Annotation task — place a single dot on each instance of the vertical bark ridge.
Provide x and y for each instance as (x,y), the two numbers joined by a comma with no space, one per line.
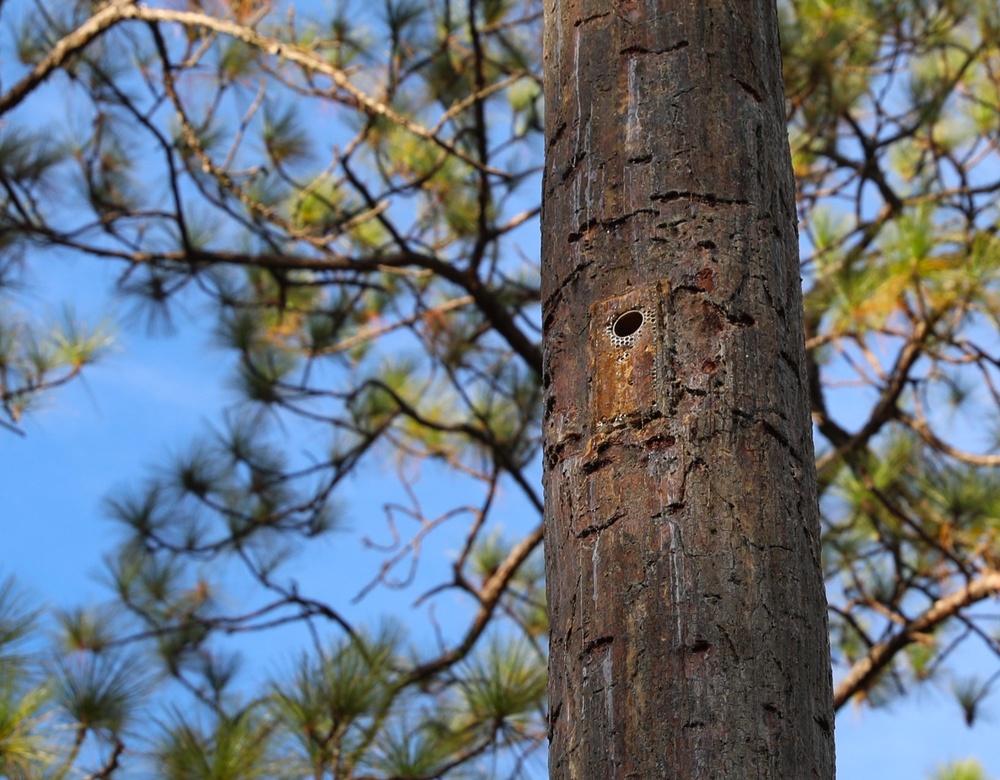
(688,624)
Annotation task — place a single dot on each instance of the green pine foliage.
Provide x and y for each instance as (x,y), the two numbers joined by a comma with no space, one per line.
(347,194)
(969,769)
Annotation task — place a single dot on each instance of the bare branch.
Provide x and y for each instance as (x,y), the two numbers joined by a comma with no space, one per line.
(864,671)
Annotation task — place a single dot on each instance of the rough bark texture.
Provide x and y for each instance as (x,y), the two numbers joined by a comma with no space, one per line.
(689,633)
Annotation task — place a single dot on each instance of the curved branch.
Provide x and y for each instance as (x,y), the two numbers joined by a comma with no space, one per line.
(122,10)
(485,300)
(306,59)
(489,596)
(65,47)
(883,412)
(923,430)
(864,671)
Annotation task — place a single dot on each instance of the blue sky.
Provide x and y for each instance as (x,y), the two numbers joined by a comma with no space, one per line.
(153,394)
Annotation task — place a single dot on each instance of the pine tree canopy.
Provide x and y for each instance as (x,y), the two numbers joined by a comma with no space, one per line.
(346,194)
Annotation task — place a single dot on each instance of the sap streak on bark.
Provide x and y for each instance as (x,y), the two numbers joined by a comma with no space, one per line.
(688,635)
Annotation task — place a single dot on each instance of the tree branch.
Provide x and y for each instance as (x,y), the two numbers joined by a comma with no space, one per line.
(66,47)
(864,671)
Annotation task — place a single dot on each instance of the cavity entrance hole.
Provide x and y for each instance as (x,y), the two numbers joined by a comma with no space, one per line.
(627,324)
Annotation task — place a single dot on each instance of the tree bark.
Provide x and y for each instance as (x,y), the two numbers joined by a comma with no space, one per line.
(688,614)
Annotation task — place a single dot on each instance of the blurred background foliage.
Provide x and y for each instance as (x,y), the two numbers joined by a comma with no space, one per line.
(347,195)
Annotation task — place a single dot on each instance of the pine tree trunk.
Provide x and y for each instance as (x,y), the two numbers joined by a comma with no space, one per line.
(688,615)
